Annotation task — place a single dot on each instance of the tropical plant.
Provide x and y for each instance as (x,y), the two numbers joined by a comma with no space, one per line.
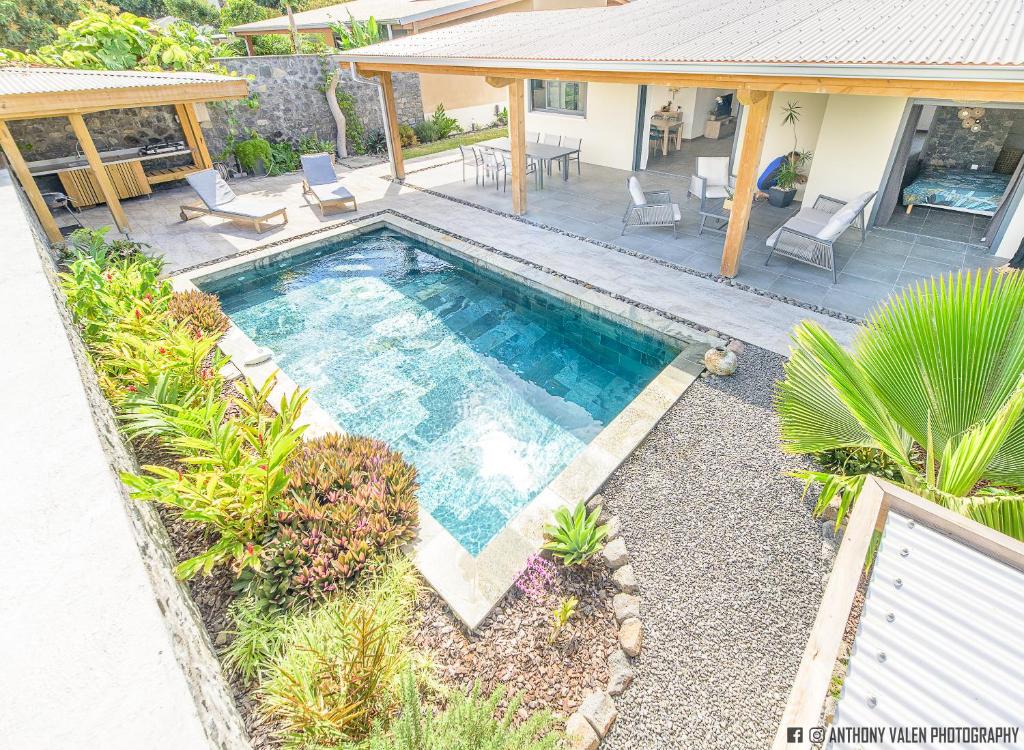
(470,721)
(101,41)
(788,176)
(934,382)
(94,244)
(407,135)
(357,33)
(444,125)
(501,119)
(198,311)
(313,144)
(235,478)
(376,143)
(561,615)
(196,12)
(575,536)
(252,151)
(536,577)
(283,159)
(28,24)
(426,131)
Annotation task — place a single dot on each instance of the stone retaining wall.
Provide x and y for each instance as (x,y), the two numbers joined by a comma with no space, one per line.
(291,106)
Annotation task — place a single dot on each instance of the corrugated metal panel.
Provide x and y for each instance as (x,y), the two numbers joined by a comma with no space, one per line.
(54,80)
(852,32)
(940,641)
(384,11)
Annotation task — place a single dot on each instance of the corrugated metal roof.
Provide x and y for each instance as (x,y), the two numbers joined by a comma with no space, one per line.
(939,639)
(397,12)
(28,80)
(669,34)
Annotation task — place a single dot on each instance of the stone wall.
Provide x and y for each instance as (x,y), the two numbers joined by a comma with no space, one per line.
(291,106)
(952,146)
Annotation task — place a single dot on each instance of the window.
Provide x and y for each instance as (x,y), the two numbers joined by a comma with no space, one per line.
(566,97)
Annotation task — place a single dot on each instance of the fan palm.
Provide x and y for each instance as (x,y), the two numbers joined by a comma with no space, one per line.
(934,381)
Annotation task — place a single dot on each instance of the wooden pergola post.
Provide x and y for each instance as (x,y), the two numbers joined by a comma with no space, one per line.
(28,184)
(194,137)
(387,90)
(758,105)
(250,50)
(99,171)
(516,137)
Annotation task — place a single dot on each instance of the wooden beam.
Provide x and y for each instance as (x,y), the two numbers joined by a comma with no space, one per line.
(746,179)
(329,38)
(99,171)
(250,49)
(967,91)
(391,126)
(28,184)
(517,136)
(498,83)
(194,135)
(29,106)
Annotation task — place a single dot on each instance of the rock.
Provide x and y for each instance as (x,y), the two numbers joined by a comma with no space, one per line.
(599,711)
(625,580)
(720,361)
(596,501)
(620,673)
(735,346)
(580,735)
(222,638)
(631,636)
(615,553)
(625,606)
(614,527)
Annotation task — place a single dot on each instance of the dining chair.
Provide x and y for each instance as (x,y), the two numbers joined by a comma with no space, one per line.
(470,158)
(531,167)
(494,166)
(551,139)
(576,143)
(532,137)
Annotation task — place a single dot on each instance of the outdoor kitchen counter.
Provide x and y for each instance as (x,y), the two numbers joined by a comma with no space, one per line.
(120,156)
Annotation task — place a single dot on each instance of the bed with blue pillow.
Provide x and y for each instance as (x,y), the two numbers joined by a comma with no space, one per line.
(957,190)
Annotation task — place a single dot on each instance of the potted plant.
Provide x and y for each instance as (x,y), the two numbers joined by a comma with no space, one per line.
(788,176)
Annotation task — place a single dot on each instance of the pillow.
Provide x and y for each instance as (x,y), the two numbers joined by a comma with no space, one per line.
(714,168)
(862,200)
(636,192)
(840,220)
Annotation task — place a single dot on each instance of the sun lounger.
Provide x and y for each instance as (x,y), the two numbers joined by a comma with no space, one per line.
(320,181)
(220,200)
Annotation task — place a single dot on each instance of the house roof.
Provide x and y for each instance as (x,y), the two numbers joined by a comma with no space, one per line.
(386,12)
(830,37)
(38,92)
(938,641)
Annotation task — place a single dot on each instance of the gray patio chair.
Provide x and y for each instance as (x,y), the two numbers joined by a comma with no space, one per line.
(494,167)
(576,143)
(532,137)
(471,158)
(653,209)
(810,235)
(550,139)
(220,200)
(531,168)
(320,180)
(712,184)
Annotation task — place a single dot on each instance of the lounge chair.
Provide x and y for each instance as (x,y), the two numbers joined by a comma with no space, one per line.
(712,184)
(654,209)
(810,235)
(220,200)
(320,180)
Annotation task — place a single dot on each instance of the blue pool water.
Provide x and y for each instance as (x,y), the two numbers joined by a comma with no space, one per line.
(488,387)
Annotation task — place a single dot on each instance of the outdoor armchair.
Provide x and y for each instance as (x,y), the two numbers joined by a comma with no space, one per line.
(712,184)
(650,209)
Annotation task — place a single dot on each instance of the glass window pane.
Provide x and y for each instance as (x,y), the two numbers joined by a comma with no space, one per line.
(572,97)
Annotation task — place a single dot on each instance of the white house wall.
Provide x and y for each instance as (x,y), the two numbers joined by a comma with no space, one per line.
(607,129)
(778,138)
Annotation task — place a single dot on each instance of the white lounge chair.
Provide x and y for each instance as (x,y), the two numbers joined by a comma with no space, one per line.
(220,200)
(654,209)
(712,184)
(810,235)
(320,180)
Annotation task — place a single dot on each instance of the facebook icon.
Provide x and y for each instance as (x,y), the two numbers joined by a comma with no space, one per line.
(794,734)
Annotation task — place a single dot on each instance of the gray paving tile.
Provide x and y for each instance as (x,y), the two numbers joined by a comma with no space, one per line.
(928,267)
(956,246)
(879,258)
(843,301)
(941,254)
(804,291)
(859,285)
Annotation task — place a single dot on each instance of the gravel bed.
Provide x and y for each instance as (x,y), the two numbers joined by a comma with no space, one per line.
(730,564)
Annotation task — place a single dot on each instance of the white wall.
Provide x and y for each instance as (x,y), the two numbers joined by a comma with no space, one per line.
(607,129)
(856,138)
(778,138)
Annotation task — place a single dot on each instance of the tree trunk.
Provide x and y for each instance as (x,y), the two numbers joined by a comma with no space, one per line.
(291,28)
(339,116)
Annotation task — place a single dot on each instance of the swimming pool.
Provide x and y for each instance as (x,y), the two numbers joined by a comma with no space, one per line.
(488,387)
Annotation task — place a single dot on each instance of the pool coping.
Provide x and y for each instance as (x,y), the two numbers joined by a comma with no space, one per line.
(471,586)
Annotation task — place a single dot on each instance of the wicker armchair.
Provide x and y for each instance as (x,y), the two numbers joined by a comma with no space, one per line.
(653,209)
(809,237)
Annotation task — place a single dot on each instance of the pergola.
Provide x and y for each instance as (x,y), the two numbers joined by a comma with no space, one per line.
(951,50)
(29,93)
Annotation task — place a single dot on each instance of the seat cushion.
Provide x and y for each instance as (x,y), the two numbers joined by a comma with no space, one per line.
(715,169)
(333,192)
(808,221)
(636,192)
(839,223)
(716,191)
(318,169)
(250,207)
(677,215)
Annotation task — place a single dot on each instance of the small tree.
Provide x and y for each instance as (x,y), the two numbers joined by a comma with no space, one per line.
(357,33)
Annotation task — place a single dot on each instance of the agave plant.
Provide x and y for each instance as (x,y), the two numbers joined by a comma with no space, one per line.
(934,381)
(575,536)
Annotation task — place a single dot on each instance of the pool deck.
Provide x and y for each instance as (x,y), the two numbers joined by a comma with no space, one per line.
(616,271)
(472,585)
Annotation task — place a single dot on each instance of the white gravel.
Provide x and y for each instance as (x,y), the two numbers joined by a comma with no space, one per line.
(730,566)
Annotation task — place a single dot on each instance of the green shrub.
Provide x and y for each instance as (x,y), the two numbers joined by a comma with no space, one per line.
(350,499)
(376,143)
(283,159)
(575,536)
(93,243)
(199,312)
(407,135)
(313,144)
(426,131)
(469,722)
(252,151)
(853,461)
(444,125)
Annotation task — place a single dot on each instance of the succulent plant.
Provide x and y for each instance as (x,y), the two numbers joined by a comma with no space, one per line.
(199,311)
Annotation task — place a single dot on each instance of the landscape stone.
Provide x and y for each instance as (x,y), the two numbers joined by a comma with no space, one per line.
(614,525)
(625,606)
(615,553)
(599,709)
(620,673)
(579,733)
(625,579)
(631,636)
(596,501)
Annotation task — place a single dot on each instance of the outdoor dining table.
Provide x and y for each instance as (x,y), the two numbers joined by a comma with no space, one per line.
(541,152)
